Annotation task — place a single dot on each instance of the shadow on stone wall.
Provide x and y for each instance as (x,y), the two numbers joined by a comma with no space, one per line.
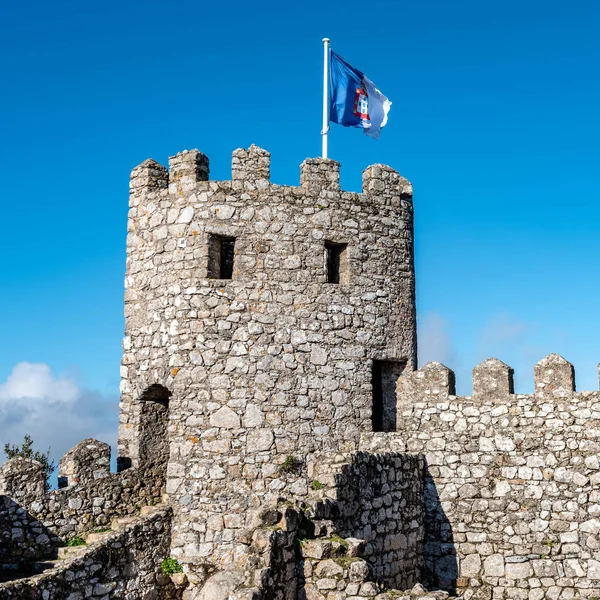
(24,541)
(440,570)
(391,502)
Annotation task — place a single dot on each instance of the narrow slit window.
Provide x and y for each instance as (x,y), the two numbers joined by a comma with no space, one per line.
(335,263)
(221,252)
(385,378)
(227,248)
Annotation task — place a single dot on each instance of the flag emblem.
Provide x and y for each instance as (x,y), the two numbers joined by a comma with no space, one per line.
(361,103)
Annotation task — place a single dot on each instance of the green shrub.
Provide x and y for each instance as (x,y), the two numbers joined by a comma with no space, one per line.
(317,485)
(290,465)
(75,541)
(170,566)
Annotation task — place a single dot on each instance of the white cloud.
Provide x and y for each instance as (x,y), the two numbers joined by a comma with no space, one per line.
(434,341)
(55,411)
(35,381)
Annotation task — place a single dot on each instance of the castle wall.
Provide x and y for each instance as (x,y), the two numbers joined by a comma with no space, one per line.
(126,565)
(34,521)
(517,476)
(23,538)
(379,499)
(273,364)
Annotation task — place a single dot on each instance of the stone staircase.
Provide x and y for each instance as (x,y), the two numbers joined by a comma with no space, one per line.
(69,553)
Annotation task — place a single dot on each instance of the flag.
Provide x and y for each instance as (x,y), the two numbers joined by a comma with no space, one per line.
(354,100)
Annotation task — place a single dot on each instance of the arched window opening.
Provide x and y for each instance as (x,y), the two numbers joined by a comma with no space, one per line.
(156,393)
(150,447)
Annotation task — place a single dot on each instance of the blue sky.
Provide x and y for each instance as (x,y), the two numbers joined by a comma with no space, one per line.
(495,121)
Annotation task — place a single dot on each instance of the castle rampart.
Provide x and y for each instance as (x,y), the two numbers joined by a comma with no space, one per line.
(125,565)
(35,521)
(517,476)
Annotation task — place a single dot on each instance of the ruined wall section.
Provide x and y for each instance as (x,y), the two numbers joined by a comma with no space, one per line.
(517,478)
(23,538)
(273,363)
(377,499)
(125,565)
(35,521)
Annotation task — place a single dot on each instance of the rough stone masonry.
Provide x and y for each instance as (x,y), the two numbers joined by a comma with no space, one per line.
(270,387)
(268,357)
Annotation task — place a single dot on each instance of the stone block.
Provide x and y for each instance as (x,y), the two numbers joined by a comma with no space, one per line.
(188,166)
(519,571)
(493,566)
(431,382)
(554,373)
(492,380)
(85,462)
(320,549)
(359,571)
(320,174)
(328,568)
(470,565)
(149,175)
(381,181)
(252,165)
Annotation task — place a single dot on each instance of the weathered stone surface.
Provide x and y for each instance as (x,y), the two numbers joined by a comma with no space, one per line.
(492,379)
(320,549)
(274,363)
(123,565)
(470,565)
(225,418)
(88,460)
(328,568)
(554,373)
(493,566)
(514,479)
(220,586)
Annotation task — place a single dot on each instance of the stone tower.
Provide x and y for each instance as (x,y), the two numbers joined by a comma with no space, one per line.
(266,327)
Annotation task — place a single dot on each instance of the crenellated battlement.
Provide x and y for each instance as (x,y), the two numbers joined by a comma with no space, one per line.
(250,172)
(517,477)
(492,380)
(87,461)
(89,496)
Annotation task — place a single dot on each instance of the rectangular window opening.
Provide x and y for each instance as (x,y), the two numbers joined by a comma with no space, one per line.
(221,252)
(385,378)
(336,263)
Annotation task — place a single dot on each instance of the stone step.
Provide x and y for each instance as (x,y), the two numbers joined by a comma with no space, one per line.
(149,510)
(70,551)
(90,538)
(121,522)
(318,548)
(44,565)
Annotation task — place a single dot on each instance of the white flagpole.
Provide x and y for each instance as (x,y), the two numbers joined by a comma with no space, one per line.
(325,129)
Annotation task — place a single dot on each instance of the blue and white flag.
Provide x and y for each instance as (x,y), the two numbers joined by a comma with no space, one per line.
(354,100)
